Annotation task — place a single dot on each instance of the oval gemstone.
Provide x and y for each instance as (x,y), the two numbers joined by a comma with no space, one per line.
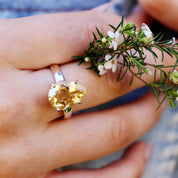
(64,95)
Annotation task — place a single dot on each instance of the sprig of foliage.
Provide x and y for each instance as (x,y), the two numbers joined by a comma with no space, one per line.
(124,48)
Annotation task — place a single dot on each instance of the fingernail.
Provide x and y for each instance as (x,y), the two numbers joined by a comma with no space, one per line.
(103,8)
(148,151)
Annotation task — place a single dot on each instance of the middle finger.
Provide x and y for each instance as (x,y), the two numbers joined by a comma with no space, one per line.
(99,89)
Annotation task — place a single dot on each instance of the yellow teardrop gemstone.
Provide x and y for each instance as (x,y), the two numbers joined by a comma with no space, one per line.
(64,95)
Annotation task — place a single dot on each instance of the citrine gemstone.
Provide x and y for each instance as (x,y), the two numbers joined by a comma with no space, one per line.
(64,95)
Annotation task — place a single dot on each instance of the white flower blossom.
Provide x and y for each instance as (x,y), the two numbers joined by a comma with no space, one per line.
(148,33)
(102,69)
(111,64)
(115,39)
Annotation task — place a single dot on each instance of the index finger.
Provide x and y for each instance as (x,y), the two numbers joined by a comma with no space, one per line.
(39,41)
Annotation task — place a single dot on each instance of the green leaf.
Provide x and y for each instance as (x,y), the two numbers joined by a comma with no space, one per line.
(120,71)
(94,36)
(161,103)
(131,80)
(155,75)
(81,62)
(123,75)
(78,57)
(113,27)
(162,52)
(99,33)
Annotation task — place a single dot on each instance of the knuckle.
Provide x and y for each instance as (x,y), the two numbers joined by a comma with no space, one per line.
(114,87)
(10,110)
(111,84)
(120,132)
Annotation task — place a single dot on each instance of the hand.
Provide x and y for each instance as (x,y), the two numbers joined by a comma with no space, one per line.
(33,141)
(165,11)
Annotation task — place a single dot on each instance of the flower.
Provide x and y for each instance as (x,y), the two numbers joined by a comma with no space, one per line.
(111,64)
(174,77)
(115,39)
(147,32)
(102,69)
(87,59)
(103,40)
(173,40)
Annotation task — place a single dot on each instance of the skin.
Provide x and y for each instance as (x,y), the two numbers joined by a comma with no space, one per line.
(165,11)
(34,142)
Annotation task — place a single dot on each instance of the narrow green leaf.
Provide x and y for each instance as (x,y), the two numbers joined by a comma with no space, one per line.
(112,27)
(155,75)
(94,36)
(131,80)
(123,74)
(161,103)
(81,62)
(156,95)
(99,33)
(120,71)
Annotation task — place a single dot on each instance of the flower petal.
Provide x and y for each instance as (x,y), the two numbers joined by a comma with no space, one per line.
(110,34)
(101,69)
(114,66)
(107,57)
(108,65)
(112,45)
(115,45)
(117,34)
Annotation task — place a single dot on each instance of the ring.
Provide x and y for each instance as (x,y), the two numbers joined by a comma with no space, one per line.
(63,95)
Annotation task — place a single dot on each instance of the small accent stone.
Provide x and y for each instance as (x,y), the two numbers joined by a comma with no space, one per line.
(64,95)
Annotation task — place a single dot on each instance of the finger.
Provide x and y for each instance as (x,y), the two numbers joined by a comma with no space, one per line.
(102,8)
(99,89)
(164,11)
(130,166)
(134,160)
(98,134)
(40,41)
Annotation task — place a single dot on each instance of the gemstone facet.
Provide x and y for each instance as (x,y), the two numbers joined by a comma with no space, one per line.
(64,95)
